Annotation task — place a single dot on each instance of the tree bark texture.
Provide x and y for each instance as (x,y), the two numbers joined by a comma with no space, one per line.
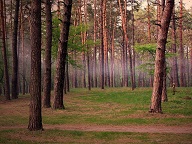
(160,58)
(181,49)
(133,43)
(35,117)
(14,53)
(23,49)
(191,64)
(94,39)
(149,21)
(61,56)
(164,97)
(124,26)
(47,71)
(102,47)
(4,53)
(174,69)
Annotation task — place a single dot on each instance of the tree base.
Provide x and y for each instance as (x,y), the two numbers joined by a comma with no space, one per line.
(59,107)
(35,129)
(155,111)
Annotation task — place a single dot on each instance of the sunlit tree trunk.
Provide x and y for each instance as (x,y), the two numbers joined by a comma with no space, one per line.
(4,53)
(164,97)
(47,69)
(160,58)
(61,56)
(35,117)
(161,7)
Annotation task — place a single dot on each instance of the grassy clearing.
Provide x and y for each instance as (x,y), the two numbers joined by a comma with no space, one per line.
(59,136)
(112,106)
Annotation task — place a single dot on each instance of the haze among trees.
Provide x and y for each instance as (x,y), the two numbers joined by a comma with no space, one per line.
(58,45)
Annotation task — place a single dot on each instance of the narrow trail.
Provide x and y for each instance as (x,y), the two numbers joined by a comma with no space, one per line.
(109,128)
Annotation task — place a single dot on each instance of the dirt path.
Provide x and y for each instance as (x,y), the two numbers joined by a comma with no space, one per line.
(109,128)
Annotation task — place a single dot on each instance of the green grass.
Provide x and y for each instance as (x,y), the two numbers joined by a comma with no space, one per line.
(21,136)
(111,106)
(114,106)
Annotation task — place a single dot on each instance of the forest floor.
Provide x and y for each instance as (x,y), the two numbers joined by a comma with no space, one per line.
(116,115)
(110,128)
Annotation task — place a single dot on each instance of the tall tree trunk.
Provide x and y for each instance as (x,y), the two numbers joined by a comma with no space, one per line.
(23,49)
(174,70)
(83,39)
(35,117)
(0,84)
(191,64)
(88,55)
(123,18)
(187,69)
(4,53)
(89,71)
(105,40)
(160,58)
(102,46)
(181,49)
(14,53)
(133,42)
(158,16)
(113,55)
(61,56)
(67,77)
(149,21)
(164,97)
(94,39)
(47,71)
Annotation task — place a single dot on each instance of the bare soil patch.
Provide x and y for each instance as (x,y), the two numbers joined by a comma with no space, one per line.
(110,128)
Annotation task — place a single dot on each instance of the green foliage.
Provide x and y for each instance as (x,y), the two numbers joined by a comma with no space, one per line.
(147,67)
(146,48)
(74,41)
(187,20)
(55,36)
(74,63)
(150,49)
(146,51)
